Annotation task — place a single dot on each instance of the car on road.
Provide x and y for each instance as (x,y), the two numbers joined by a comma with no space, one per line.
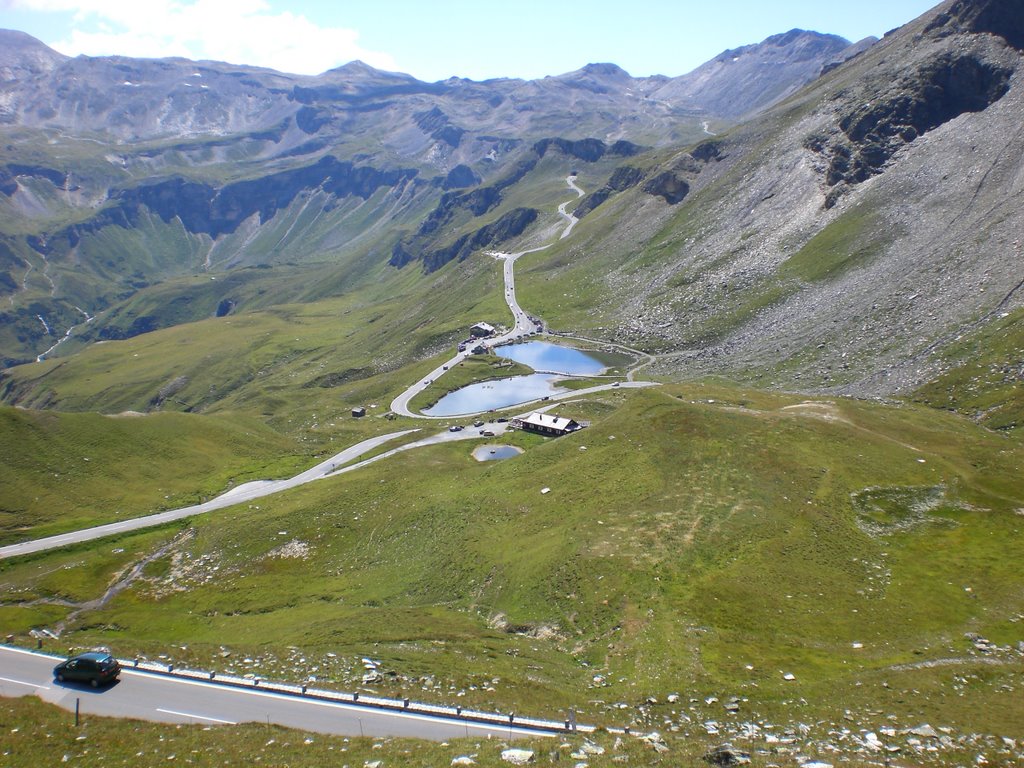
(487,432)
(455,428)
(94,668)
(478,423)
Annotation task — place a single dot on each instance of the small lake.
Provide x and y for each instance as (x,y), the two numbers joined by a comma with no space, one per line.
(539,355)
(484,395)
(542,356)
(495,452)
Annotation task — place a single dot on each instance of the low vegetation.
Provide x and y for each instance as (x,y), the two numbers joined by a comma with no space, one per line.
(468,584)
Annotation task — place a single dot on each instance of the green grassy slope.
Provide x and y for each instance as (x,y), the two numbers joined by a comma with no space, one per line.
(63,471)
(986,371)
(696,539)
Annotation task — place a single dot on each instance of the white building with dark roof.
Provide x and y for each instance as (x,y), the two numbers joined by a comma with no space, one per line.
(546,424)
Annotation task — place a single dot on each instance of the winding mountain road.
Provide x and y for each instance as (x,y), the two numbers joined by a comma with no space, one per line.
(522,327)
(168,698)
(242,493)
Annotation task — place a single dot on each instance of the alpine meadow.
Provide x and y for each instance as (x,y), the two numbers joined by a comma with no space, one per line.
(778,520)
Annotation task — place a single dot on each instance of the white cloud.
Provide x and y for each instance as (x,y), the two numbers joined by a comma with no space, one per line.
(236,31)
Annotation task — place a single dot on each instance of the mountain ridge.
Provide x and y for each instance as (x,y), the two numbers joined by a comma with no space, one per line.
(87,131)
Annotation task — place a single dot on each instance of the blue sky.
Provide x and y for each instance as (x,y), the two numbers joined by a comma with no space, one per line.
(435,39)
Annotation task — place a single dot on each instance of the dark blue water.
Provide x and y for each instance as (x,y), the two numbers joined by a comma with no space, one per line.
(477,398)
(542,356)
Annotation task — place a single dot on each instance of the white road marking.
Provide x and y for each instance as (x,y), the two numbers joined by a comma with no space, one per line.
(353,708)
(20,682)
(197,717)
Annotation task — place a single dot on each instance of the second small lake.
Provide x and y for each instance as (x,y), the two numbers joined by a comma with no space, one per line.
(501,393)
(495,452)
(543,356)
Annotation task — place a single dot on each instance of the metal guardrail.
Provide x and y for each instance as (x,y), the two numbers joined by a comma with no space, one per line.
(456,713)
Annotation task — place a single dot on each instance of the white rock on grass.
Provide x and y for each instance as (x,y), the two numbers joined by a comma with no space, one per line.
(463,760)
(517,756)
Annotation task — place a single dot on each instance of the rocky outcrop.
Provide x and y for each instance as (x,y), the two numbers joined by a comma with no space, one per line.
(311,119)
(621,179)
(673,183)
(512,224)
(8,184)
(436,123)
(872,130)
(590,150)
(669,185)
(460,176)
(202,208)
(477,202)
(1003,18)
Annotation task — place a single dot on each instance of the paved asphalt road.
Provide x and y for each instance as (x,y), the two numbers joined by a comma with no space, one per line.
(521,328)
(159,698)
(242,493)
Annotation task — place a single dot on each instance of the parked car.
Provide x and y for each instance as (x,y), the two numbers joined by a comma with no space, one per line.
(502,419)
(455,428)
(93,668)
(487,433)
(478,423)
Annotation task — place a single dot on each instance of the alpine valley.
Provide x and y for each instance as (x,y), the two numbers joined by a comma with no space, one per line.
(793,522)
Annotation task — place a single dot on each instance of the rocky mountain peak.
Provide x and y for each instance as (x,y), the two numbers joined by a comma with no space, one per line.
(22,55)
(764,73)
(605,70)
(799,44)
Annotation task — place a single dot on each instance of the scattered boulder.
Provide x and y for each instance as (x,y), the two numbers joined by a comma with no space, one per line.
(517,756)
(727,755)
(655,741)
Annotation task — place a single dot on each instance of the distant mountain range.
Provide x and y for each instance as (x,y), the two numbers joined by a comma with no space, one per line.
(800,213)
(144,99)
(96,146)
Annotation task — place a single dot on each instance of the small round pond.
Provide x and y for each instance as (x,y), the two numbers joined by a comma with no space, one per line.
(494,452)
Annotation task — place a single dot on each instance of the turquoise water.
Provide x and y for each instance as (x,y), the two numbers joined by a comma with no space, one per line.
(542,356)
